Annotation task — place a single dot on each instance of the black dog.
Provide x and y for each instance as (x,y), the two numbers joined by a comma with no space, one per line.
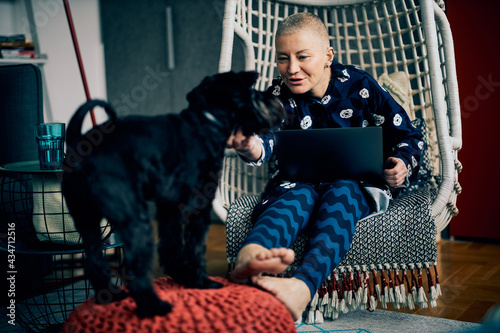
(173,160)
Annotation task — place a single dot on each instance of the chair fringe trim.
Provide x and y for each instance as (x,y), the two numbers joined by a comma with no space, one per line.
(351,288)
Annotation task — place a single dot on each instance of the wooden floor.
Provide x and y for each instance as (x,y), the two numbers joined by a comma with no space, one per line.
(469,274)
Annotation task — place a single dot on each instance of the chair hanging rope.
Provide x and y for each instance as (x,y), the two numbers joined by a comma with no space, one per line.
(78,57)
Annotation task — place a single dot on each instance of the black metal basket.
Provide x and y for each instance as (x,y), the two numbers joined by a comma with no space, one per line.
(33,200)
(43,249)
(50,285)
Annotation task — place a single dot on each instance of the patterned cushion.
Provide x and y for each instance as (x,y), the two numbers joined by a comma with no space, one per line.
(404,234)
(425,171)
(238,224)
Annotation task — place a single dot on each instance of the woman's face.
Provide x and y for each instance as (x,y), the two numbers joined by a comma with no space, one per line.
(301,59)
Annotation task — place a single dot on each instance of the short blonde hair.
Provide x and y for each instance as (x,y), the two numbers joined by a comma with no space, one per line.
(304,21)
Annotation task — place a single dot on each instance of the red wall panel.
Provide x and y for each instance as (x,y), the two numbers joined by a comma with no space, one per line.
(476,34)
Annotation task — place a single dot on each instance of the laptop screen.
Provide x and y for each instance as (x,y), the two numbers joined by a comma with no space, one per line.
(325,155)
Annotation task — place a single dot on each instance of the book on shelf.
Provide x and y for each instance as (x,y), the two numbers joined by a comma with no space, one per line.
(20,38)
(16,47)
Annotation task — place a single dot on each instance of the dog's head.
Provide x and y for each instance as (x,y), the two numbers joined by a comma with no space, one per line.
(230,98)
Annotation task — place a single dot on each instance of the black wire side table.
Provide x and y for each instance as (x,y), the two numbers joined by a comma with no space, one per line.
(42,251)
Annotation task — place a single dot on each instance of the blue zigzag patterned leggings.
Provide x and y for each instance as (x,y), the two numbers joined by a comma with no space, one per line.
(329,213)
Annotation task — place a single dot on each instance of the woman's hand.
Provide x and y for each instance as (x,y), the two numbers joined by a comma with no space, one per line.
(246,146)
(395,172)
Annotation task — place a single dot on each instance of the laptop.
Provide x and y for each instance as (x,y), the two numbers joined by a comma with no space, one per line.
(324,155)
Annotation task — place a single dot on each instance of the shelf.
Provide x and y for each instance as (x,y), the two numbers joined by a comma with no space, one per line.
(12,61)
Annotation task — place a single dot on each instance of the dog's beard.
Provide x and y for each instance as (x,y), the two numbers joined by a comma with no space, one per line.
(268,115)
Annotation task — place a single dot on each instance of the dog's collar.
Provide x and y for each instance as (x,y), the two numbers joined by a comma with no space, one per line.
(214,120)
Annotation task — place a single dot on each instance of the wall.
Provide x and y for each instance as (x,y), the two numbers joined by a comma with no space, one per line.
(134,36)
(7,12)
(65,92)
(475,32)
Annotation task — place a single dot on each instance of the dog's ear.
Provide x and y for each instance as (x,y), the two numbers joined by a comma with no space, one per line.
(197,95)
(248,78)
(217,85)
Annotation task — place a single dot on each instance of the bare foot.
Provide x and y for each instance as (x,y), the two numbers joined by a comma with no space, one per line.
(292,292)
(254,259)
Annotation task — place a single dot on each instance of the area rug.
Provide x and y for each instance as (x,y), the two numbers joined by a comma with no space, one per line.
(381,321)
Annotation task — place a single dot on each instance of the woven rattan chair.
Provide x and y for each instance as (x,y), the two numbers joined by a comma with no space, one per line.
(407,46)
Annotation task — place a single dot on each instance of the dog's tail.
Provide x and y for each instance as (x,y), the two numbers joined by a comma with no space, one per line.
(74,131)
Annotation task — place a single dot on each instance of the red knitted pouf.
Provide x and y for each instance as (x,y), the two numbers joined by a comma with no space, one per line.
(233,308)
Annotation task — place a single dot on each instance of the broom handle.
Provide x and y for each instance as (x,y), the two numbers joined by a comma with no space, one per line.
(78,57)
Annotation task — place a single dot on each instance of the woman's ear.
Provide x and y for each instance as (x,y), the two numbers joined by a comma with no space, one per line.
(330,53)
(329,56)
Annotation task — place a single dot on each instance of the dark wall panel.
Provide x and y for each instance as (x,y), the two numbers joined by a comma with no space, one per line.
(134,37)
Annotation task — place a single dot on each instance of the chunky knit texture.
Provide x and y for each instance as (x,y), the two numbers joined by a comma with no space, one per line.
(234,308)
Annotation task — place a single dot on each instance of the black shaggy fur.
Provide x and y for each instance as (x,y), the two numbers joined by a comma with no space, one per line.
(113,170)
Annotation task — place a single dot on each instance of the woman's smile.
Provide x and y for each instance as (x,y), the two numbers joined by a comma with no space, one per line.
(296,81)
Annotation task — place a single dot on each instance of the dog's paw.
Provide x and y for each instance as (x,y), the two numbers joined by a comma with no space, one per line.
(109,297)
(213,285)
(151,309)
(206,283)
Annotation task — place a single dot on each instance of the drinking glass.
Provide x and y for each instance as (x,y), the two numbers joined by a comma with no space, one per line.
(50,138)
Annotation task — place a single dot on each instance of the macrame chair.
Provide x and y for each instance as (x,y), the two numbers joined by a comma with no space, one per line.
(407,46)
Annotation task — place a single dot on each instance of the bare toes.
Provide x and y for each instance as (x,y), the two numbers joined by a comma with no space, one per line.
(287,255)
(254,260)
